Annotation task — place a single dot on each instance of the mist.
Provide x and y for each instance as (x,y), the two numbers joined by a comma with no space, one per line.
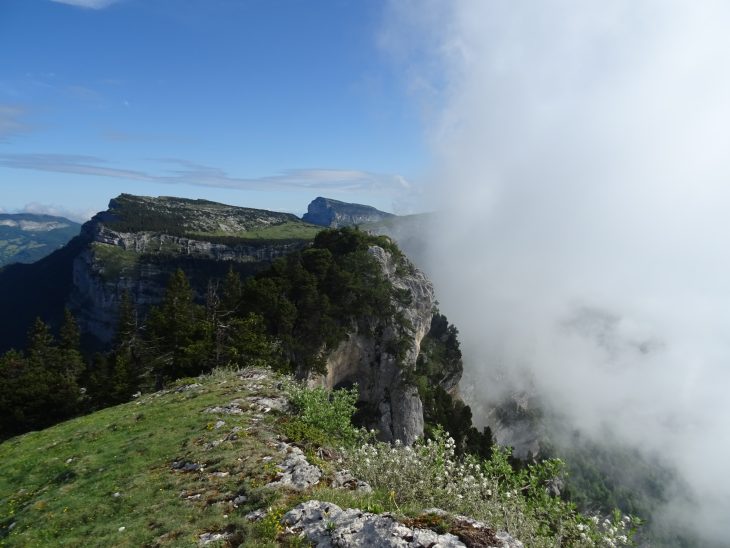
(581,166)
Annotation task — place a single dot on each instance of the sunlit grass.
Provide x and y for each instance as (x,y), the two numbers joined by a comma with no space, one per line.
(108,476)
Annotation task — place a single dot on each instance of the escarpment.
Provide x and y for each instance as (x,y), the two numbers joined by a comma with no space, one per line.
(382,359)
(136,245)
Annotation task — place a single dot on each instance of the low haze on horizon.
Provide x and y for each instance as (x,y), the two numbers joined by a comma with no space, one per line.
(259,104)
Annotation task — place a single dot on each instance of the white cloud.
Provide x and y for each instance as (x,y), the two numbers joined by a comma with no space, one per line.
(583,165)
(37,208)
(89,4)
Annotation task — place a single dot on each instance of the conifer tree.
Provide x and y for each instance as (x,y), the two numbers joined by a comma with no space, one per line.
(126,322)
(70,361)
(126,371)
(172,330)
(232,292)
(41,345)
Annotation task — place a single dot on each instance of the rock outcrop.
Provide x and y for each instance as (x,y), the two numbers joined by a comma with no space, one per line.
(336,214)
(295,472)
(380,361)
(327,525)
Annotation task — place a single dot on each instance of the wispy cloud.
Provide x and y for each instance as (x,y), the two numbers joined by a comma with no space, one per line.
(77,215)
(89,4)
(67,163)
(11,121)
(191,173)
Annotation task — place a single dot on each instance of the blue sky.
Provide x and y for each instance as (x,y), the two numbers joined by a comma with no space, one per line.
(261,103)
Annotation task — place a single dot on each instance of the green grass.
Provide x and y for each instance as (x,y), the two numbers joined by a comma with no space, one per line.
(58,486)
(117,261)
(107,479)
(287,230)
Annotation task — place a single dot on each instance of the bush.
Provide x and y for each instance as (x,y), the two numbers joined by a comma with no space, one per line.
(322,417)
(429,474)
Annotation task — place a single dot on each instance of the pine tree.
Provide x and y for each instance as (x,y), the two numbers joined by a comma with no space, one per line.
(232,292)
(40,389)
(41,345)
(70,361)
(125,363)
(126,321)
(172,332)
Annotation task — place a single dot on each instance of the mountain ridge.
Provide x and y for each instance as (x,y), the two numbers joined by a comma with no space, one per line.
(332,213)
(28,237)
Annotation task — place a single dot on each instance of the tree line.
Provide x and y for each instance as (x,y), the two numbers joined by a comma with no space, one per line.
(286,317)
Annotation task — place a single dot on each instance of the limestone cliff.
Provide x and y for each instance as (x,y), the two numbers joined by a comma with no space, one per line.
(335,214)
(381,364)
(139,242)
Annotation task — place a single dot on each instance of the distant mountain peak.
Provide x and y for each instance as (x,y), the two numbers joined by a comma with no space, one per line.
(28,237)
(335,214)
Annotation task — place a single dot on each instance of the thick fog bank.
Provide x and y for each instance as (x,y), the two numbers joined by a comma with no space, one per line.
(582,163)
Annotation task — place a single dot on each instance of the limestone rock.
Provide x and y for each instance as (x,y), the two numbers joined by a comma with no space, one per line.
(345,480)
(264,404)
(295,472)
(327,525)
(209,538)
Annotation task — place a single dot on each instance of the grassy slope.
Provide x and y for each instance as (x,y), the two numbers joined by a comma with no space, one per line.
(58,485)
(108,479)
(284,231)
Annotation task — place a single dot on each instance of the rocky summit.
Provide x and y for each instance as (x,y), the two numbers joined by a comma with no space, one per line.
(335,214)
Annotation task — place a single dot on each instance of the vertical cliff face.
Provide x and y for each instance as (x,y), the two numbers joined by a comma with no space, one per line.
(139,242)
(381,361)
